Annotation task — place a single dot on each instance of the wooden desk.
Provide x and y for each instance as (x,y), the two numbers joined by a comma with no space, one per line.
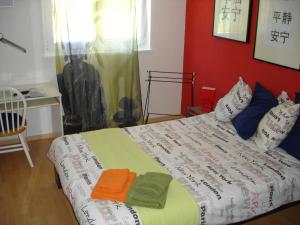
(51,98)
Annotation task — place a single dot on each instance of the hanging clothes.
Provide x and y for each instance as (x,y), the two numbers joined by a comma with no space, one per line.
(97,62)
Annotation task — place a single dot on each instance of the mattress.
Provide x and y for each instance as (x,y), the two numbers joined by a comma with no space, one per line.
(230,179)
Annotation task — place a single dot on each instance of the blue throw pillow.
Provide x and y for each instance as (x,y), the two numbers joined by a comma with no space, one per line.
(297,97)
(247,121)
(291,143)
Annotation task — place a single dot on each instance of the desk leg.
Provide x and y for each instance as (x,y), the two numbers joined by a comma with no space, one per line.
(57,118)
(61,116)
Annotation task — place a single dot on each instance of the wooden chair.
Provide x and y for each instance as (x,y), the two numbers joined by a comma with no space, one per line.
(13,109)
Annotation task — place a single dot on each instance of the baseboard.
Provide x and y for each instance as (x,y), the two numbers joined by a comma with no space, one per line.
(163,118)
(42,137)
(30,138)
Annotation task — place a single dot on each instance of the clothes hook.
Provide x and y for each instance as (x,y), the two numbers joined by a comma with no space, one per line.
(8,42)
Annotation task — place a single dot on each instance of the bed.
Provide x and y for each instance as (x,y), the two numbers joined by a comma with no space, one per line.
(229,179)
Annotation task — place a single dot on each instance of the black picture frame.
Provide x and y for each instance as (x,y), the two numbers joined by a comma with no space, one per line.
(232,20)
(278,50)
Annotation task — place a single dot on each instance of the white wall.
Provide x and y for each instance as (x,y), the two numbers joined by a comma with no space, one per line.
(23,25)
(167,43)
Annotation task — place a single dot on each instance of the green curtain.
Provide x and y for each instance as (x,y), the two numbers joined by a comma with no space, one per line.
(96,46)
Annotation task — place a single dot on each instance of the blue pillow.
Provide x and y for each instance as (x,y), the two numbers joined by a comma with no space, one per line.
(291,143)
(247,121)
(297,98)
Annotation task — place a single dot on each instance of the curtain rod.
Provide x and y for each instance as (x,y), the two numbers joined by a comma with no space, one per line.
(10,43)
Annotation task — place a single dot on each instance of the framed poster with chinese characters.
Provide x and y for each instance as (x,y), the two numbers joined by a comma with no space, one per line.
(278,34)
(231,19)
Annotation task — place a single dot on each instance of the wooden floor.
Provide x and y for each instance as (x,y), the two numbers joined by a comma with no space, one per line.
(30,196)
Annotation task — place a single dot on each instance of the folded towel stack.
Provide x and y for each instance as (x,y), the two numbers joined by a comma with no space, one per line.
(114,185)
(149,190)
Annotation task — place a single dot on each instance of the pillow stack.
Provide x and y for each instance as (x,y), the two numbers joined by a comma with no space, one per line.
(234,102)
(271,121)
(291,143)
(283,97)
(247,121)
(276,124)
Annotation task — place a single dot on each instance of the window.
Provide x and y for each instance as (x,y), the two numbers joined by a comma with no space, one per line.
(143,14)
(81,24)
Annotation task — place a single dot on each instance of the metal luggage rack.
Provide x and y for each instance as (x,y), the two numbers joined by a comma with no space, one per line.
(186,78)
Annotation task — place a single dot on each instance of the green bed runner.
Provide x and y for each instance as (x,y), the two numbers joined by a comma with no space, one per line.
(116,150)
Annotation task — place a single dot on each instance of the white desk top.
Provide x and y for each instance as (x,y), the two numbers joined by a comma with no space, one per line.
(50,95)
(48,89)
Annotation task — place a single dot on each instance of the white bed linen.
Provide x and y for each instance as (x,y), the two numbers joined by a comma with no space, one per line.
(230,179)
(79,170)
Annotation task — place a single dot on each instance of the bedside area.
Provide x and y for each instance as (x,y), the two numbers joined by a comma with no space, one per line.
(194,111)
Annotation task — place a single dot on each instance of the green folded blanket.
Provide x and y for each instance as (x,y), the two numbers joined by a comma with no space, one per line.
(152,184)
(180,207)
(149,190)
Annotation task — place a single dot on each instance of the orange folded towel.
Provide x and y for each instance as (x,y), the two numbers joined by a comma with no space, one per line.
(108,187)
(113,180)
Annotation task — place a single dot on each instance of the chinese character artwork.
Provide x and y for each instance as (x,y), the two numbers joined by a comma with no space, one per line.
(278,34)
(274,35)
(286,18)
(276,16)
(225,10)
(282,19)
(231,19)
(231,10)
(282,35)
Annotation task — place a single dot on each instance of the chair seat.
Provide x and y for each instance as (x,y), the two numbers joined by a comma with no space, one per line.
(12,123)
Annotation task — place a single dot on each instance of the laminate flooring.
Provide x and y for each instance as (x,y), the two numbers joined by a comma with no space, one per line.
(30,196)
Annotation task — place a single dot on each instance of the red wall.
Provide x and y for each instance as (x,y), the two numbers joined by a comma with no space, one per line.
(219,62)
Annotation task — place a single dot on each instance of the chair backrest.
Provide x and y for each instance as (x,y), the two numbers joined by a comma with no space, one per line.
(13,109)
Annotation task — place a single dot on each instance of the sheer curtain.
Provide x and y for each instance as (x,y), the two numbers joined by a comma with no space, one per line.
(97,62)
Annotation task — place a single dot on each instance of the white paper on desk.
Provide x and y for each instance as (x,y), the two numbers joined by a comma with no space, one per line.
(35,93)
